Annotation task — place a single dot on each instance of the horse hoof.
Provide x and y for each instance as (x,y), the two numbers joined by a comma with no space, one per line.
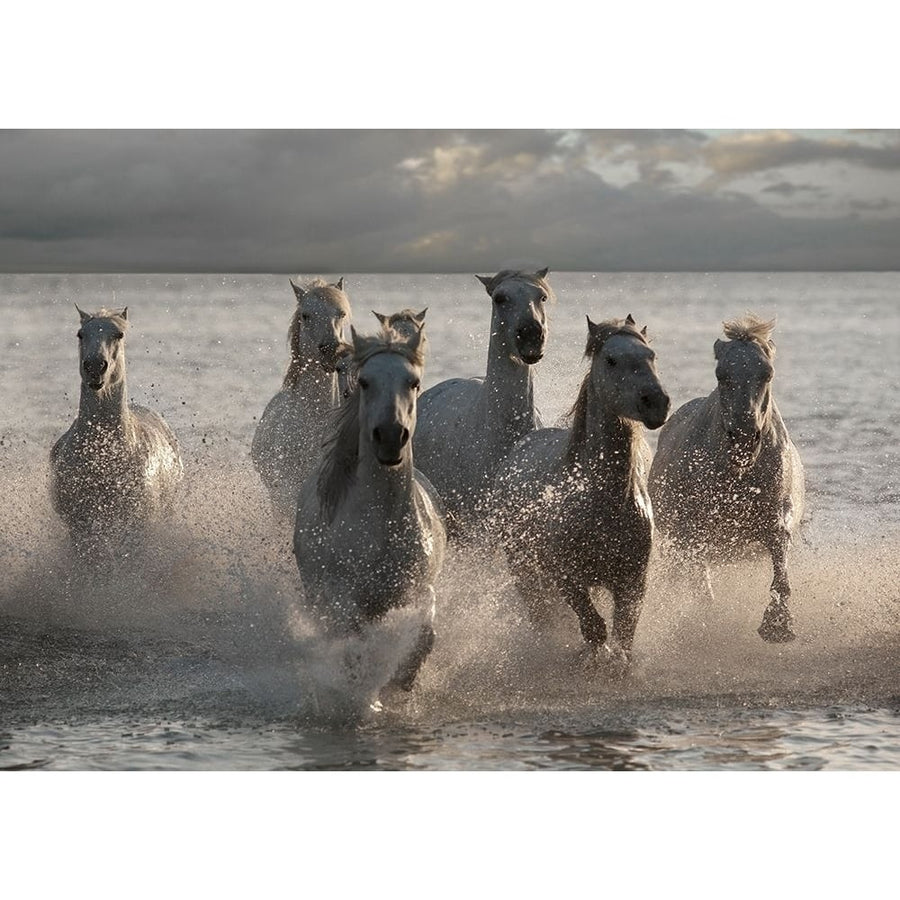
(776,624)
(612,663)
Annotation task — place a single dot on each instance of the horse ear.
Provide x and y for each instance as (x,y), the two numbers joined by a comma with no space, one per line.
(298,290)
(486,280)
(629,319)
(717,348)
(594,330)
(84,316)
(385,320)
(644,331)
(339,284)
(124,313)
(419,317)
(542,273)
(354,337)
(414,341)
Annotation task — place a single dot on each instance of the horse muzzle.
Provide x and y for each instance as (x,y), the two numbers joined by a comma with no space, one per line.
(388,442)
(654,408)
(93,373)
(530,341)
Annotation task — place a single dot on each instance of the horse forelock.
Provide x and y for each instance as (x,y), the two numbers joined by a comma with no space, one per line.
(519,275)
(389,341)
(600,333)
(752,330)
(114,315)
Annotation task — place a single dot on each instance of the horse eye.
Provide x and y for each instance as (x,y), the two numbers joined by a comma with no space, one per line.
(543,298)
(414,385)
(118,336)
(610,362)
(500,298)
(305,317)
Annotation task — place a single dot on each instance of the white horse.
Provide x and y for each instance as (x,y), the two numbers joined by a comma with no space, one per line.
(369,533)
(467,426)
(118,465)
(572,503)
(727,476)
(287,442)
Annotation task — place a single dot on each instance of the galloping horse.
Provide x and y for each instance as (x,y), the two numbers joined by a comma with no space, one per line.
(118,465)
(726,475)
(467,426)
(369,533)
(572,503)
(287,442)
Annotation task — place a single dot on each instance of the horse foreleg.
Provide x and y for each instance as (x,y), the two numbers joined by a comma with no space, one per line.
(405,675)
(777,623)
(628,599)
(593,628)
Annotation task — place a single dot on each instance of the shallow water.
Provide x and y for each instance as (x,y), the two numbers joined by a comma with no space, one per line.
(197,654)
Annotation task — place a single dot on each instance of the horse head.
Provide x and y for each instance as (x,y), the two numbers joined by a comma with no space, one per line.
(623,371)
(519,319)
(388,377)
(744,372)
(316,331)
(101,347)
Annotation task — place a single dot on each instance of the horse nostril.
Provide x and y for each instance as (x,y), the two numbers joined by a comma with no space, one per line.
(404,437)
(104,365)
(376,434)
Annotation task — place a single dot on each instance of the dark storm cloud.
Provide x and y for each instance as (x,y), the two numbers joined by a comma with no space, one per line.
(343,201)
(788,189)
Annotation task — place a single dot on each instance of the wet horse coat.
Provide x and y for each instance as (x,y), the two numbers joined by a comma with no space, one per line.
(572,503)
(369,534)
(726,476)
(287,442)
(118,466)
(467,426)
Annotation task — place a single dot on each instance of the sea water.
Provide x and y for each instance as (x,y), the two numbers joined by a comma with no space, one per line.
(196,652)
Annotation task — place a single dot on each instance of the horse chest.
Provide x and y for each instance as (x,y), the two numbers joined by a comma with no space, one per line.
(594,528)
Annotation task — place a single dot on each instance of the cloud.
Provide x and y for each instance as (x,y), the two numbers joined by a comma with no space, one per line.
(734,155)
(788,189)
(447,200)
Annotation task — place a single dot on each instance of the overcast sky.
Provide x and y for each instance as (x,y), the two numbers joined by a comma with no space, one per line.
(446,201)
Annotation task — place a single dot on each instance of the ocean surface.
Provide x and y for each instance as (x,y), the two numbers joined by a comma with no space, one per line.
(197,652)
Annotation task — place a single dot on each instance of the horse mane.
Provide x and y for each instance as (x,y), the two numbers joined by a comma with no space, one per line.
(752,329)
(495,281)
(296,363)
(341,444)
(597,337)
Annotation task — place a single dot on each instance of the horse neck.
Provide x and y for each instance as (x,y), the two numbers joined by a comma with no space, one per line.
(772,421)
(307,379)
(381,487)
(507,392)
(107,409)
(607,446)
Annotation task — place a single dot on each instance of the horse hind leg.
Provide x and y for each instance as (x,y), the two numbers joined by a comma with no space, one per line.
(777,624)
